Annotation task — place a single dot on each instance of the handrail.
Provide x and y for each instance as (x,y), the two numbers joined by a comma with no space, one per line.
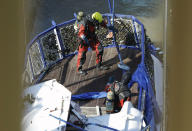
(44,32)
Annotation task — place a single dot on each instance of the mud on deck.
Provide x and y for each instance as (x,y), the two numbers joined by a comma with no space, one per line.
(65,72)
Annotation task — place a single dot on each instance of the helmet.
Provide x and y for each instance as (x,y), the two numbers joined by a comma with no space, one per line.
(80,15)
(97,16)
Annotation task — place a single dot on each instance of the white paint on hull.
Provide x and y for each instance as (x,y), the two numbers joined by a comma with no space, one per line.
(158,75)
(128,119)
(49,97)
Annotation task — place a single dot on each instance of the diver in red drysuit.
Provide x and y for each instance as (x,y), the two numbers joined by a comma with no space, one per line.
(87,38)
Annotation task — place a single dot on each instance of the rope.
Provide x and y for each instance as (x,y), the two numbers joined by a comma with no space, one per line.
(79,128)
(109,3)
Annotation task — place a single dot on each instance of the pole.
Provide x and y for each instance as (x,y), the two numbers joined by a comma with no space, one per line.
(121,65)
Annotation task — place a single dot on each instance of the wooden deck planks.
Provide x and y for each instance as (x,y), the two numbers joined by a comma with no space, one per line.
(65,73)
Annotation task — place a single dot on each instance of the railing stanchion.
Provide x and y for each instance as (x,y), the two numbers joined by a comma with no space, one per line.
(42,53)
(59,40)
(135,32)
(31,67)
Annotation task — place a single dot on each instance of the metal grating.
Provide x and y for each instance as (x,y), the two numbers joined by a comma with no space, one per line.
(49,47)
(69,38)
(27,75)
(36,59)
(149,62)
(125,35)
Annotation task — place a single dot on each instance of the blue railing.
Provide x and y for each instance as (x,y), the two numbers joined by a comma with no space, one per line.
(45,32)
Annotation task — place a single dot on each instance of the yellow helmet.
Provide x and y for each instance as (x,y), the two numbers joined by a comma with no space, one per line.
(97,16)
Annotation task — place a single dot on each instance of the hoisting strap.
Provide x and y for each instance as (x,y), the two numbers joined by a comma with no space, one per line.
(79,128)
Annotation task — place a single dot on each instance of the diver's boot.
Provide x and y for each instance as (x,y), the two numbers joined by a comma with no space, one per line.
(101,67)
(81,71)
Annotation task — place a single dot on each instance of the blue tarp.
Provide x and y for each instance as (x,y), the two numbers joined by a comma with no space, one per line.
(142,78)
(89,95)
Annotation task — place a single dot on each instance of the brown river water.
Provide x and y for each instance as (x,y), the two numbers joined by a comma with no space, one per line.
(149,12)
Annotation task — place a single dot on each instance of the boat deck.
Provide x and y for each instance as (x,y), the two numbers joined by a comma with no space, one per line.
(65,72)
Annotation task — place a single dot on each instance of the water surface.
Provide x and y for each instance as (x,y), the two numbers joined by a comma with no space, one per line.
(149,12)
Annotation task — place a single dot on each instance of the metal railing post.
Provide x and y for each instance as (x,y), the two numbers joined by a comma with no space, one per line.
(42,53)
(58,39)
(142,40)
(143,44)
(31,67)
(135,32)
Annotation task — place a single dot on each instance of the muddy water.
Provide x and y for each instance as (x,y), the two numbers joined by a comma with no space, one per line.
(149,12)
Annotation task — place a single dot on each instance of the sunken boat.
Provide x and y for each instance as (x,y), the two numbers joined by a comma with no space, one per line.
(57,98)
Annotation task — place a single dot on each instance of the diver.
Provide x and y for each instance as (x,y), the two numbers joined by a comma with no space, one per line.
(118,93)
(86,26)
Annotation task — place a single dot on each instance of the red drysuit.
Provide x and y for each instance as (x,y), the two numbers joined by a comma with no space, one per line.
(86,30)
